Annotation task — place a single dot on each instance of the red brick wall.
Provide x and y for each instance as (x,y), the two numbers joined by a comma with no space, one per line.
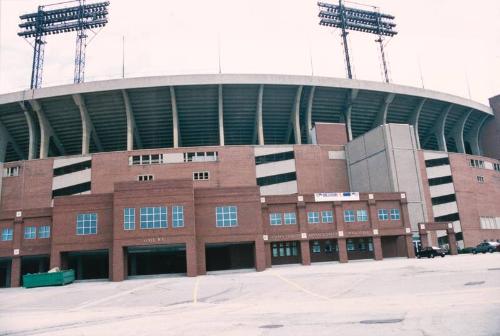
(330,134)
(475,199)
(317,173)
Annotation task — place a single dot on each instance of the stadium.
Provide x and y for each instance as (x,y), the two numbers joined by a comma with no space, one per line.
(196,173)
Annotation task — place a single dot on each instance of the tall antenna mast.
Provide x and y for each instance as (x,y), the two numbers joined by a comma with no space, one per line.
(61,20)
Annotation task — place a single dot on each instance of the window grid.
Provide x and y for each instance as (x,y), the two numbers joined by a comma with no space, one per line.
(275,219)
(11,171)
(480,179)
(348,216)
(383,215)
(142,178)
(86,224)
(226,216)
(30,232)
(44,231)
(154,218)
(177,216)
(327,216)
(313,217)
(290,218)
(395,215)
(362,215)
(201,176)
(129,219)
(7,234)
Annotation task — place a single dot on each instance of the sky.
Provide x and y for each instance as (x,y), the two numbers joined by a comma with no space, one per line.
(452,46)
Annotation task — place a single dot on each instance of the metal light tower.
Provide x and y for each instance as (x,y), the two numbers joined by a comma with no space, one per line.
(347,18)
(62,20)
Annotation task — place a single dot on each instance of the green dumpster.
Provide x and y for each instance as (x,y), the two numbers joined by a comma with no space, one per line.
(48,279)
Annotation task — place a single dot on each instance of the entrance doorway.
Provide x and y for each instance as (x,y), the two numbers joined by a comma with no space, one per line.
(160,259)
(324,250)
(89,264)
(229,256)
(287,252)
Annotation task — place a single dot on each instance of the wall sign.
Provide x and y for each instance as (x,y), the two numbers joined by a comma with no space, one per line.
(330,197)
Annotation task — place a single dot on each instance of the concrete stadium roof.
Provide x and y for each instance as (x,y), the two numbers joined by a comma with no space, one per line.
(229,109)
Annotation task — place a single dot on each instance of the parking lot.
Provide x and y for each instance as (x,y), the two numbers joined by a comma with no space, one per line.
(455,295)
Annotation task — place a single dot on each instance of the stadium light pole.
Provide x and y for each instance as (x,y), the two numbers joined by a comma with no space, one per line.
(348,18)
(61,20)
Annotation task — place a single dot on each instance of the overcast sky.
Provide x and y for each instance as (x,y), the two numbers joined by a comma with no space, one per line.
(456,43)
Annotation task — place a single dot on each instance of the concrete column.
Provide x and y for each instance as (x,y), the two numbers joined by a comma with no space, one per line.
(201,258)
(55,259)
(473,135)
(458,131)
(221,116)
(31,131)
(88,129)
(309,126)
(342,250)
(260,123)
(46,132)
(305,253)
(191,258)
(116,267)
(132,133)
(15,272)
(267,251)
(351,97)
(377,247)
(295,119)
(440,136)
(381,117)
(175,118)
(260,254)
(413,120)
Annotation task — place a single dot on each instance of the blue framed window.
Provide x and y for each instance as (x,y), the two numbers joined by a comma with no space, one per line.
(348,216)
(129,219)
(226,216)
(7,234)
(177,216)
(44,231)
(30,232)
(86,224)
(327,216)
(383,215)
(154,218)
(395,215)
(362,215)
(275,219)
(290,218)
(313,217)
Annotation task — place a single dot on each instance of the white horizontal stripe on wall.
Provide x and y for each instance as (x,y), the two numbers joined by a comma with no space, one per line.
(434,155)
(438,171)
(444,209)
(259,151)
(275,168)
(488,165)
(336,155)
(173,158)
(71,179)
(285,188)
(441,190)
(58,163)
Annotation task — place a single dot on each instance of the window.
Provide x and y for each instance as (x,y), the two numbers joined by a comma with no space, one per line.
(200,156)
(142,178)
(274,179)
(362,215)
(440,180)
(86,224)
(145,159)
(350,245)
(7,234)
(437,162)
(290,218)
(285,249)
(327,216)
(496,166)
(275,219)
(313,217)
(348,216)
(316,248)
(226,216)
(274,157)
(30,232)
(154,218)
(200,176)
(44,231)
(177,216)
(395,214)
(383,215)
(490,223)
(11,171)
(476,163)
(480,179)
(129,219)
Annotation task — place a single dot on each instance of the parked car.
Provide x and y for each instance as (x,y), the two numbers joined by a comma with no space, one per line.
(486,247)
(431,252)
(466,250)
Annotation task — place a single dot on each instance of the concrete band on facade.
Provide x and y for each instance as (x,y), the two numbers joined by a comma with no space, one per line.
(158,112)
